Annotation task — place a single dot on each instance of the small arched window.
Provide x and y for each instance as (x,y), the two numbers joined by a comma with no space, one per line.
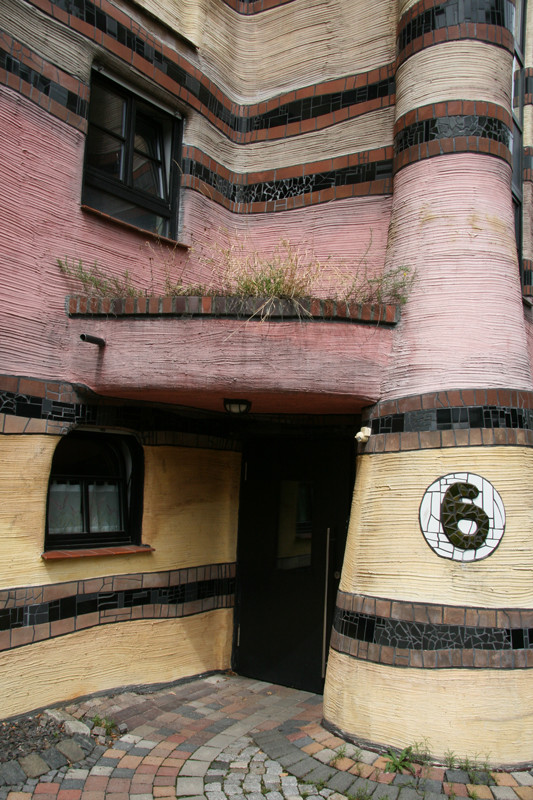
(95,492)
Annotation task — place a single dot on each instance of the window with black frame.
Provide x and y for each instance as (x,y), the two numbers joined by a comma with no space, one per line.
(131,159)
(94,492)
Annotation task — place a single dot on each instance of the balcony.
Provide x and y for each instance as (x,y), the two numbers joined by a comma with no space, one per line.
(308,357)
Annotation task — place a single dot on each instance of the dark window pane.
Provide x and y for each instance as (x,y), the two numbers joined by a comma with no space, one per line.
(107,110)
(105,153)
(147,176)
(95,458)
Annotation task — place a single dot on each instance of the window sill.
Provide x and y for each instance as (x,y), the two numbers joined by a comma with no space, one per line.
(122,550)
(133,228)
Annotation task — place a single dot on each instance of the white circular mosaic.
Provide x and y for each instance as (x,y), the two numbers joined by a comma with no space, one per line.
(462,517)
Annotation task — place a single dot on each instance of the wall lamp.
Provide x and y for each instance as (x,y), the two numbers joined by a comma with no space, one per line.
(86,337)
(363,435)
(233,406)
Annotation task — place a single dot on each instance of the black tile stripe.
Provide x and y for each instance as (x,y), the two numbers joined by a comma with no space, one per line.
(22,405)
(428,636)
(456,12)
(267,191)
(459,417)
(451,127)
(241,123)
(46,86)
(169,601)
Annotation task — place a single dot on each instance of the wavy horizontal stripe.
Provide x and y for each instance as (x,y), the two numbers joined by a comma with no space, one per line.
(455,127)
(366,173)
(35,613)
(461,418)
(310,108)
(426,635)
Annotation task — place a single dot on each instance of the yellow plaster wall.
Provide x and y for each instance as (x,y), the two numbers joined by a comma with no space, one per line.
(387,555)
(475,713)
(190,513)
(140,652)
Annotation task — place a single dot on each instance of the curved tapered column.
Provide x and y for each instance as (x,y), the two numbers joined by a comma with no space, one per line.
(431,634)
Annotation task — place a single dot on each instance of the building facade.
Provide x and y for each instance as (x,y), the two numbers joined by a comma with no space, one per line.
(163,163)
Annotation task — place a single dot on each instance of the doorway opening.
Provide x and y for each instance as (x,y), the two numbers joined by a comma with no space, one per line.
(295,502)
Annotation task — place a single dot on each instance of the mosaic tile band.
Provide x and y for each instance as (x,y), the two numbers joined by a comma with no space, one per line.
(432,636)
(35,613)
(422,26)
(450,128)
(32,406)
(455,418)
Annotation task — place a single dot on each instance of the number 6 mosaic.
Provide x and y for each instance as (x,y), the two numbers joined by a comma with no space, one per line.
(462,517)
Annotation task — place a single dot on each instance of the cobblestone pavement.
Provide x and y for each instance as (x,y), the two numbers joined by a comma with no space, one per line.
(231,738)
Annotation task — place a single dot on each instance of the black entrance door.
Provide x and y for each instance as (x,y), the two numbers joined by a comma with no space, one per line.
(295,501)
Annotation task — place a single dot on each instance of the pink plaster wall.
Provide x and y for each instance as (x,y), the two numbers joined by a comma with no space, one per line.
(42,220)
(463,324)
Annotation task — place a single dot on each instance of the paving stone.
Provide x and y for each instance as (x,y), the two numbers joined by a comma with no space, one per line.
(33,766)
(387,791)
(274,796)
(71,750)
(320,773)
(341,782)
(54,758)
(523,778)
(232,789)
(292,758)
(72,784)
(503,792)
(425,785)
(123,772)
(99,770)
(73,726)
(361,785)
(303,767)
(206,753)
(367,756)
(481,791)
(77,774)
(457,776)
(325,755)
(408,794)
(12,773)
(433,796)
(404,780)
(189,787)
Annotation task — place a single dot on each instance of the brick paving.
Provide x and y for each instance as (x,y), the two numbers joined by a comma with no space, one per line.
(225,737)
